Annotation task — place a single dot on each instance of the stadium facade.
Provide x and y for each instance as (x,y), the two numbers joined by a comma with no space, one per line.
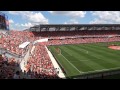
(74,27)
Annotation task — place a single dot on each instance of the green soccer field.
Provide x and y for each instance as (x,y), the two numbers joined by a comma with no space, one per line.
(87,58)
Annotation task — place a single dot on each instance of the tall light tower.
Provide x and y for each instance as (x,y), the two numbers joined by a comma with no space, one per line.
(4,23)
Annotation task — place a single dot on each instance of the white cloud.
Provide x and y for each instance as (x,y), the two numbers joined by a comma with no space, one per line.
(15,26)
(27,25)
(38,18)
(11,24)
(72,21)
(14,12)
(11,21)
(32,18)
(69,13)
(99,21)
(23,26)
(106,17)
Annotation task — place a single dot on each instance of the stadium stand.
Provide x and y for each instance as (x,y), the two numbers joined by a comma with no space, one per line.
(39,65)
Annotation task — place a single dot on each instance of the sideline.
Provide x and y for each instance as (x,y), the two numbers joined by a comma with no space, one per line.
(55,64)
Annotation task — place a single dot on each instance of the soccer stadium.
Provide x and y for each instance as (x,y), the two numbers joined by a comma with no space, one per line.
(60,51)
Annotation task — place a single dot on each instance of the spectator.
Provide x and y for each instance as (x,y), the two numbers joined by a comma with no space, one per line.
(16,75)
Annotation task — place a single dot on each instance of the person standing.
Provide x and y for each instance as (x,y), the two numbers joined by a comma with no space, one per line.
(16,75)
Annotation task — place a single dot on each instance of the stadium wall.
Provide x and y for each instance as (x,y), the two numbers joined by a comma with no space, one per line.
(100,75)
(55,64)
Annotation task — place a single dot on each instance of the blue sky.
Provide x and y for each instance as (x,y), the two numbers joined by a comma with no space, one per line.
(20,20)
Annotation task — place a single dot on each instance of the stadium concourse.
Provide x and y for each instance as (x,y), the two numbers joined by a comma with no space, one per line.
(26,55)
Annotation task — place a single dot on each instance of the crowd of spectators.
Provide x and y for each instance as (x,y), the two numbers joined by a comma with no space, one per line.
(11,41)
(39,64)
(8,67)
(82,40)
(69,34)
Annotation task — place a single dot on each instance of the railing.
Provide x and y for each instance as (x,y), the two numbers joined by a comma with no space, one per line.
(9,53)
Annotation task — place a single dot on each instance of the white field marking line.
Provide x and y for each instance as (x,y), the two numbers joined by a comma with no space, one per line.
(60,64)
(92,54)
(83,60)
(89,59)
(103,49)
(99,57)
(72,64)
(83,50)
(103,70)
(79,60)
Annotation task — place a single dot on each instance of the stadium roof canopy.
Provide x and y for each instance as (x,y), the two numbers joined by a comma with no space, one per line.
(74,27)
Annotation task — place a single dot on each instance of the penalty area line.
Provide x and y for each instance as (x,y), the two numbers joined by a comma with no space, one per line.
(71,64)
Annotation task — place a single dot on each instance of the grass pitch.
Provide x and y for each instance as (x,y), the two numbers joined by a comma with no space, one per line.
(87,58)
